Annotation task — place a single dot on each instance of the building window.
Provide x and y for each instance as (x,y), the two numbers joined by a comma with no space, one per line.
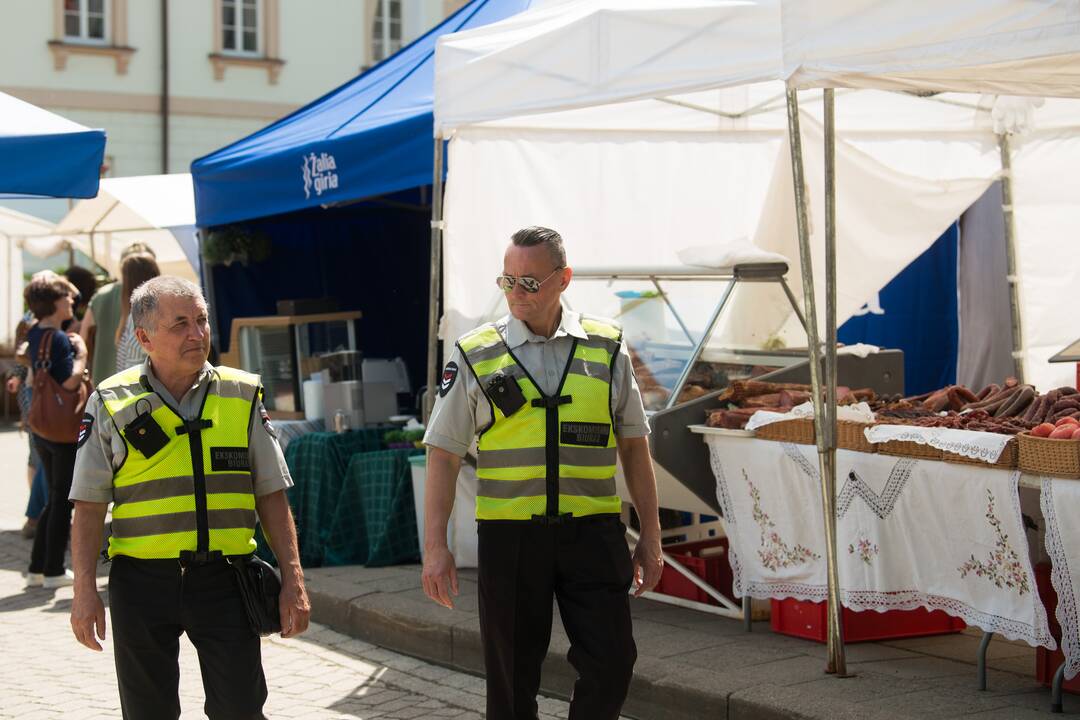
(386,41)
(240,27)
(85,21)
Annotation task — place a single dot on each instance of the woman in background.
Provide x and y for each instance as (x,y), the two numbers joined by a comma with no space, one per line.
(51,299)
(134,271)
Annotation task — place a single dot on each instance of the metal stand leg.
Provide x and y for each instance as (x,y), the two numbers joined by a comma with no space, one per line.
(981,659)
(1055,689)
(748,613)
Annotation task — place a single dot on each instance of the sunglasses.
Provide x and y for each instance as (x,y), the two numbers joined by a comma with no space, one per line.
(506,283)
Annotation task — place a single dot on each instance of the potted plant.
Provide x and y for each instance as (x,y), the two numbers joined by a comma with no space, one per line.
(234,243)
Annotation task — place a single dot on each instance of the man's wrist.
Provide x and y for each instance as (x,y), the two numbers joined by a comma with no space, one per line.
(292,573)
(650,530)
(436,544)
(81,586)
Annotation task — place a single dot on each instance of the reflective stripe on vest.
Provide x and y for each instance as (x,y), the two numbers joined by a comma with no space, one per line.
(155,498)
(554,455)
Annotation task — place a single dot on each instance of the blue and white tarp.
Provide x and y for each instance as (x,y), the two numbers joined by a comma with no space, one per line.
(45,155)
(369,137)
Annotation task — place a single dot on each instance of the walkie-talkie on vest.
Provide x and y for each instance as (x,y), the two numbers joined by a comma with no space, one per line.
(505,392)
(144,433)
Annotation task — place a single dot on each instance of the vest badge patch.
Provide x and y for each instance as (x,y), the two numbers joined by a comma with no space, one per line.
(84,429)
(223,459)
(584,433)
(270,429)
(449,375)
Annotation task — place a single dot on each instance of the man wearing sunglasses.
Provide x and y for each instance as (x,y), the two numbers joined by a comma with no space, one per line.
(546,399)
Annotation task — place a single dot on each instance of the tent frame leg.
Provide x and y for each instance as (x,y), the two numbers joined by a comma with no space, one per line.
(824,430)
(980,659)
(1056,700)
(728,609)
(436,277)
(1005,147)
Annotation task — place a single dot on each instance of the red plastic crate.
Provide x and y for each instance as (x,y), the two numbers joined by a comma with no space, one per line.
(809,620)
(705,561)
(1047,662)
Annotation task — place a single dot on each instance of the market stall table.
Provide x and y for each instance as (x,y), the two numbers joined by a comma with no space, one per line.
(352,499)
(910,535)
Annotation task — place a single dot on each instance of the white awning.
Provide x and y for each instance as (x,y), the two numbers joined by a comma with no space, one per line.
(157,210)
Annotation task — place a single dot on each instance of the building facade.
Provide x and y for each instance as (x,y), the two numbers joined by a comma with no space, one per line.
(171,80)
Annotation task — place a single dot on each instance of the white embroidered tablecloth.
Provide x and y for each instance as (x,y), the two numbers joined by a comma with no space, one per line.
(910,533)
(983,446)
(1061,510)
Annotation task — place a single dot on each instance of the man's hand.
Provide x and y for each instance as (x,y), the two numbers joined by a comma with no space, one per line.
(648,563)
(440,575)
(294,608)
(88,614)
(13,384)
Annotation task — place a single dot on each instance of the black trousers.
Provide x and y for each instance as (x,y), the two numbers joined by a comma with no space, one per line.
(585,565)
(54,526)
(151,603)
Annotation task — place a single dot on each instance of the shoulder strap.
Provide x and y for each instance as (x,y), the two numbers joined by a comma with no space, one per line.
(44,353)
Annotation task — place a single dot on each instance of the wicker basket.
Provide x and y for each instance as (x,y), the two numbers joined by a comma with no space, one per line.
(1009,458)
(1043,456)
(850,436)
(904,448)
(799,431)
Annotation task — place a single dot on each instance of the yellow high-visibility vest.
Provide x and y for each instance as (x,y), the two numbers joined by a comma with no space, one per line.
(157,500)
(555,455)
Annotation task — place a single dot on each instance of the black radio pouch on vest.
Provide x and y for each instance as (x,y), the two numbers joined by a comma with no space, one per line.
(145,435)
(505,392)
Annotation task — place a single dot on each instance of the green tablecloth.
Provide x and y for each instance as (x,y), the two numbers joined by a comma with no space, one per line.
(353,502)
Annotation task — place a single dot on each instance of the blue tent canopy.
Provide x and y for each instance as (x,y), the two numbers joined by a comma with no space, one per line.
(369,137)
(45,155)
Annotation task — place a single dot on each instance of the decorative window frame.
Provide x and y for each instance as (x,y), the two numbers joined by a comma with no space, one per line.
(269,17)
(260,22)
(372,14)
(84,17)
(114,46)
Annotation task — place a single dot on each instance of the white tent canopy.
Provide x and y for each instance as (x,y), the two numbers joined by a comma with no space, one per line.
(14,228)
(157,210)
(621,124)
(581,53)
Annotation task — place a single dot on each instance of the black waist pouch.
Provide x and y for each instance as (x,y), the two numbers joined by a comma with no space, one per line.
(259,587)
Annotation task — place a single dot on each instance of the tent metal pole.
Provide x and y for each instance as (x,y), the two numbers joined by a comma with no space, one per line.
(836,662)
(436,277)
(827,448)
(1005,147)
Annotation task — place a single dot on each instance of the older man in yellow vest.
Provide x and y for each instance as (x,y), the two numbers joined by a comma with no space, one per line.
(547,399)
(188,457)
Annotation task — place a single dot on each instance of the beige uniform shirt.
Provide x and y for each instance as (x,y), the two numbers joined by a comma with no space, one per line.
(459,411)
(103,451)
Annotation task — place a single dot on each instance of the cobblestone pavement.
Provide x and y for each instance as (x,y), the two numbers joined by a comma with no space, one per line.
(322,674)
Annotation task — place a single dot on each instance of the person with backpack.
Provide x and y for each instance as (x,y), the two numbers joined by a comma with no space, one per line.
(56,376)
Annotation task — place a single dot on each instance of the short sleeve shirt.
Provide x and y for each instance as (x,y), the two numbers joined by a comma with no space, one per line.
(103,450)
(106,308)
(459,412)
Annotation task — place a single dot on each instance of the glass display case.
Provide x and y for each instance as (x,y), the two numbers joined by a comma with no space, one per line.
(284,350)
(674,325)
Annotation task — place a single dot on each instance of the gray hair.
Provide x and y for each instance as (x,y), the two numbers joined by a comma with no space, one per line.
(552,240)
(145,299)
